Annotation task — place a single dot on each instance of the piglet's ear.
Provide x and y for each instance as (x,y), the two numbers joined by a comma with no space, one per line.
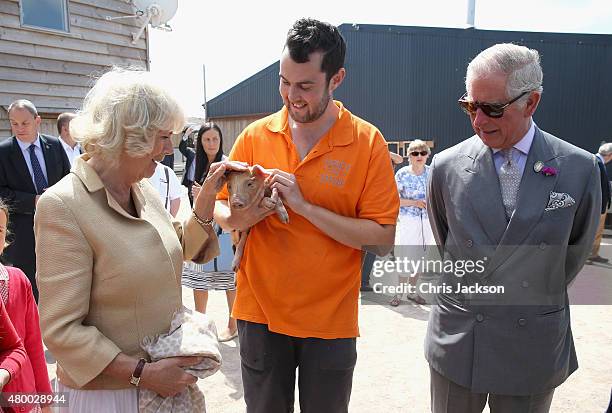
(259,172)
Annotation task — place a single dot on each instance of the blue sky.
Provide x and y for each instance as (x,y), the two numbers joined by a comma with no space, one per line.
(235,39)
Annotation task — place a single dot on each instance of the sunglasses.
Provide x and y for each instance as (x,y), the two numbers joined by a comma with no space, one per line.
(492,110)
(417,153)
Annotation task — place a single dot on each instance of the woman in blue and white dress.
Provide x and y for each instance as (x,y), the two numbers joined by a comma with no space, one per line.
(413,232)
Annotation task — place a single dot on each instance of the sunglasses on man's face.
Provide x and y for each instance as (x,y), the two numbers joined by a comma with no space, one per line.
(417,153)
(492,110)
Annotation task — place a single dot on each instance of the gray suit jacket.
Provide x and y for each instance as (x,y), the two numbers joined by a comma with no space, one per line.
(519,342)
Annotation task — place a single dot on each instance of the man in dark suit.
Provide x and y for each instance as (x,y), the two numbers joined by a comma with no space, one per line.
(29,164)
(604,156)
(523,205)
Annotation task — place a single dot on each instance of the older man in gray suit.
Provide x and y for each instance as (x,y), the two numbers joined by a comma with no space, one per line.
(529,202)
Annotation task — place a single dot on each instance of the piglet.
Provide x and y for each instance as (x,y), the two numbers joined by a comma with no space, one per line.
(242,188)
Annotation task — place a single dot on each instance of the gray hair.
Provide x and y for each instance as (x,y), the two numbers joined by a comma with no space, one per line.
(23,104)
(605,149)
(519,63)
(123,112)
(418,145)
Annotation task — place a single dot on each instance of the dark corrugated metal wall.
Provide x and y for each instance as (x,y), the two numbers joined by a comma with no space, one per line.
(406,81)
(255,95)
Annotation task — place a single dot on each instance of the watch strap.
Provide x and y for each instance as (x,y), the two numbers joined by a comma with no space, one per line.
(135,379)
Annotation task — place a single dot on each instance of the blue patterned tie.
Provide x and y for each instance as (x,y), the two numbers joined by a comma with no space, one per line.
(39,177)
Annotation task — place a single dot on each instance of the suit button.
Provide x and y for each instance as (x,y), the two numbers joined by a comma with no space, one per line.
(479,318)
(469,243)
(522,322)
(525,284)
(543,246)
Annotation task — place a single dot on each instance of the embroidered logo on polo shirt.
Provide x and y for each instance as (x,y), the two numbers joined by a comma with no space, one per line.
(334,172)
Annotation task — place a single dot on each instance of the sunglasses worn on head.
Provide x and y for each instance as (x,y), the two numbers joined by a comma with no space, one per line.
(492,110)
(417,153)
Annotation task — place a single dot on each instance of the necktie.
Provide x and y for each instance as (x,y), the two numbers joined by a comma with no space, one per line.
(39,177)
(509,181)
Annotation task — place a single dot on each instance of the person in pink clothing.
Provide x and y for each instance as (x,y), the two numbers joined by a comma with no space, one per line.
(18,299)
(12,352)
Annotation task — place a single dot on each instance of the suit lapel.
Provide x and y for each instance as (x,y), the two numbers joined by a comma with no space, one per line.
(483,186)
(21,167)
(533,196)
(50,160)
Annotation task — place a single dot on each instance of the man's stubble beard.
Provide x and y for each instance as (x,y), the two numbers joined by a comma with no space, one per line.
(309,118)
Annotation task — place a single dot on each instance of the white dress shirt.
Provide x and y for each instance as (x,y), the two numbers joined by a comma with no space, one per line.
(39,154)
(72,153)
(520,155)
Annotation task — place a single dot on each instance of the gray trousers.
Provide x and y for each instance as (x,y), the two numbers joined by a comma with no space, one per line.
(269,362)
(449,397)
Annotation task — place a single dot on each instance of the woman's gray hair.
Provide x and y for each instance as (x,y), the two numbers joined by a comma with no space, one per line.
(418,145)
(521,64)
(123,112)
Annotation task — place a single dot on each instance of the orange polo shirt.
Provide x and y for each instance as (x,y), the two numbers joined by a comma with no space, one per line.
(293,277)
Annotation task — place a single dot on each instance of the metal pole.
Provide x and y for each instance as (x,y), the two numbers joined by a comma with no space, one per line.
(471,11)
(204,104)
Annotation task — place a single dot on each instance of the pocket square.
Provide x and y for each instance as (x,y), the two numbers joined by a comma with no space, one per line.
(559,200)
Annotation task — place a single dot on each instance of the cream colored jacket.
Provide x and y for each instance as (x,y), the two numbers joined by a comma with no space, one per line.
(107,279)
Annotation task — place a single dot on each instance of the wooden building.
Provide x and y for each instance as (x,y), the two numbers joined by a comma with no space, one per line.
(51,52)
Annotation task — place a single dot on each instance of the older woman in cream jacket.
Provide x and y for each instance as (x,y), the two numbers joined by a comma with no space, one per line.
(109,257)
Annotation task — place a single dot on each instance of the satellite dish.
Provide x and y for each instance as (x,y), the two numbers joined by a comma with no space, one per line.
(157,12)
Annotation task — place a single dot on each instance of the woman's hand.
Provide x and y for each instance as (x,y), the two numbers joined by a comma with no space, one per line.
(217,175)
(241,219)
(166,377)
(5,377)
(204,203)
(195,190)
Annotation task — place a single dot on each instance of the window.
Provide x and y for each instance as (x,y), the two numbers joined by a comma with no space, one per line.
(48,14)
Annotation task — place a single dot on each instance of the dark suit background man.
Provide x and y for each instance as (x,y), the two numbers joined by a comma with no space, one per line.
(29,164)
(604,156)
(529,202)
(609,162)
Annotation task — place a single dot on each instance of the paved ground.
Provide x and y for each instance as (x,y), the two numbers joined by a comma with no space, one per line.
(392,375)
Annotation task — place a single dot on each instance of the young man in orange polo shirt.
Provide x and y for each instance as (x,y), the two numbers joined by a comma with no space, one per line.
(298,283)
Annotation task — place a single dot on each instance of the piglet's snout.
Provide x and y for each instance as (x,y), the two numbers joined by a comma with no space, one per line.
(237,202)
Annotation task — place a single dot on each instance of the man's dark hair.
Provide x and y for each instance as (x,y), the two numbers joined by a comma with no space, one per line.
(308,36)
(63,119)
